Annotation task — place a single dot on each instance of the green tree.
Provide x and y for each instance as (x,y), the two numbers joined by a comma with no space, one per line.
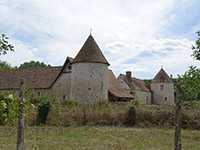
(33,64)
(196,47)
(190,84)
(4,45)
(4,65)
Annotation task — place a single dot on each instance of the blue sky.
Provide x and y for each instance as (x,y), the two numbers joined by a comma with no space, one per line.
(138,36)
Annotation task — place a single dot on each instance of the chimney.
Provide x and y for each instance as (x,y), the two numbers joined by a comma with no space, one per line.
(171,76)
(128,74)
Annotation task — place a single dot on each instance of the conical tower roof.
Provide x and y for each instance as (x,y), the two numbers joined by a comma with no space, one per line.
(162,77)
(90,52)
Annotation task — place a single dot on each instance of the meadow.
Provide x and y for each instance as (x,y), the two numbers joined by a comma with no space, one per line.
(98,138)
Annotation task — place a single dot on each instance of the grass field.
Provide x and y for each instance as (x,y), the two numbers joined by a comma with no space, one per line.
(97,138)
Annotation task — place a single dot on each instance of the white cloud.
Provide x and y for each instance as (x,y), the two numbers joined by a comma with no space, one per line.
(50,31)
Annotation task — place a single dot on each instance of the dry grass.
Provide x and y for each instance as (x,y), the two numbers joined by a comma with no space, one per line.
(116,115)
(99,138)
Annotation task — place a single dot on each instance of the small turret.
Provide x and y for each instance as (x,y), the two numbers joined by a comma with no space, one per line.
(162,87)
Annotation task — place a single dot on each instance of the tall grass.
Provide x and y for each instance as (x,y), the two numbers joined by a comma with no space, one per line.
(117,114)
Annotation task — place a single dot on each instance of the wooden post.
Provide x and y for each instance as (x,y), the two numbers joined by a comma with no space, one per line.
(177,137)
(20,135)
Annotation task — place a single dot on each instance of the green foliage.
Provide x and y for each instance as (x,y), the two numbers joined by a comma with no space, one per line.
(136,103)
(33,64)
(4,45)
(194,104)
(147,82)
(10,107)
(190,84)
(44,105)
(41,100)
(4,65)
(69,102)
(196,47)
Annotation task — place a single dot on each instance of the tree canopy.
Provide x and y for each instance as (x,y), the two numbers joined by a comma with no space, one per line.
(196,47)
(4,45)
(33,64)
(190,84)
(4,65)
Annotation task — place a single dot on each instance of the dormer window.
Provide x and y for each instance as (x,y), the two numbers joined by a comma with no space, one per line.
(162,79)
(69,67)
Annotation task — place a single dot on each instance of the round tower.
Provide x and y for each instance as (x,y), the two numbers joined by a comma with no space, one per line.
(89,80)
(162,88)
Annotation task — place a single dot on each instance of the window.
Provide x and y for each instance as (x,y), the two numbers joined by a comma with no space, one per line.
(101,86)
(162,79)
(165,98)
(39,94)
(161,87)
(69,67)
(63,97)
(146,98)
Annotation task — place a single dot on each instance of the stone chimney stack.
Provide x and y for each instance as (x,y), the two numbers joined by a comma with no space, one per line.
(128,74)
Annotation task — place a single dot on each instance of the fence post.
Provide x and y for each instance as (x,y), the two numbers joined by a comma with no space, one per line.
(177,137)
(20,135)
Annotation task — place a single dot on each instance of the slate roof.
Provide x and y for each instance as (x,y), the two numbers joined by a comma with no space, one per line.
(90,52)
(136,84)
(162,76)
(115,88)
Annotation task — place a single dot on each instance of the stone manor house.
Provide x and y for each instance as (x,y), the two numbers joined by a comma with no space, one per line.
(87,79)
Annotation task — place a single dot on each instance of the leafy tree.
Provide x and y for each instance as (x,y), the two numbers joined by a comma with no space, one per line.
(196,47)
(190,84)
(4,45)
(4,65)
(33,64)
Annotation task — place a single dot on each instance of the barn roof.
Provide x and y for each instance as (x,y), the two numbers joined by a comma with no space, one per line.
(34,77)
(136,84)
(90,52)
(115,88)
(44,78)
(162,76)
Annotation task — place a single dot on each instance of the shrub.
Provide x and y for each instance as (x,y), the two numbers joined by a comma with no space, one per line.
(44,105)
(69,102)
(130,117)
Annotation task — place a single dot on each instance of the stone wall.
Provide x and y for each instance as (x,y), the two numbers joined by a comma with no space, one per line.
(163,93)
(89,82)
(144,96)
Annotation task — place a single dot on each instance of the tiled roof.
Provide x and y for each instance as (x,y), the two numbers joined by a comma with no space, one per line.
(115,88)
(162,77)
(136,84)
(90,52)
(34,77)
(43,78)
